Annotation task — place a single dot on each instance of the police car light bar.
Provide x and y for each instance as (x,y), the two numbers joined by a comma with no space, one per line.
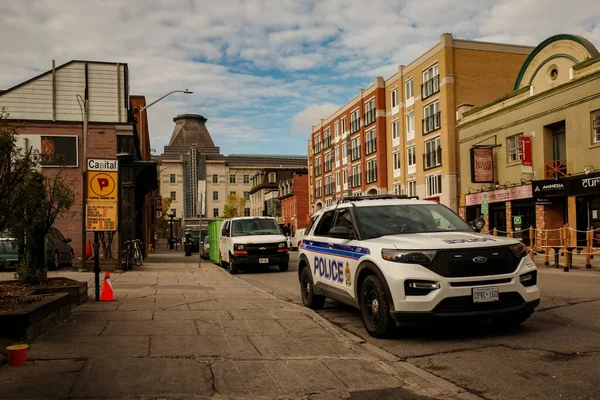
(347,199)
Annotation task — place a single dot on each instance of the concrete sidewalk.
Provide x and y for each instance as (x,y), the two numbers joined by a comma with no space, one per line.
(183,331)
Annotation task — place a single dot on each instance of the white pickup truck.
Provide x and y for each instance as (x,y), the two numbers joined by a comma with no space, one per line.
(250,241)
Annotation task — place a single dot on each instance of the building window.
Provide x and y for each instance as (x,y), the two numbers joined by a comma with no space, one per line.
(371,142)
(356,177)
(327,162)
(318,166)
(337,178)
(397,189)
(336,130)
(246,212)
(317,143)
(433,185)
(173,196)
(372,170)
(433,153)
(394,95)
(370,112)
(327,140)
(233,193)
(396,162)
(596,126)
(409,89)
(215,212)
(431,82)
(345,177)
(215,178)
(411,160)
(396,130)
(343,124)
(412,188)
(410,126)
(328,185)
(247,196)
(355,121)
(215,195)
(513,146)
(318,188)
(431,122)
(272,177)
(355,149)
(172,178)
(246,178)
(344,150)
(231,178)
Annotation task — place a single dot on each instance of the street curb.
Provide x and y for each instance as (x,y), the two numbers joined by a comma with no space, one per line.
(448,387)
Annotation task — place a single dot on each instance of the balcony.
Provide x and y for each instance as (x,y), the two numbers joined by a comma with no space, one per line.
(329,188)
(370,117)
(354,126)
(372,175)
(355,153)
(431,123)
(371,146)
(327,142)
(556,169)
(355,180)
(432,159)
(430,87)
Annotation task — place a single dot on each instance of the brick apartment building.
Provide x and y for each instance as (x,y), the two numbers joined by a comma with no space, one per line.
(348,149)
(264,195)
(400,134)
(540,144)
(45,110)
(293,195)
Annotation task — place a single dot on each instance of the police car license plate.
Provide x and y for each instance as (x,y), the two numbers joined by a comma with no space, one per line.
(263,260)
(485,294)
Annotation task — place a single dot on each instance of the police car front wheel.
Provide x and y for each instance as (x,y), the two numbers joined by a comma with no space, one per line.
(375,308)
(309,298)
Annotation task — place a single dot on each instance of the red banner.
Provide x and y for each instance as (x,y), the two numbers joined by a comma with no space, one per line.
(526,152)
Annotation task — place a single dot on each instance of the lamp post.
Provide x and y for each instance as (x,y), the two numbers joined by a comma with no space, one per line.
(171,216)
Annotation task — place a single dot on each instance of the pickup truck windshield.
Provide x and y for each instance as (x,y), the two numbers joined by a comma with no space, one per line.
(246,227)
(402,219)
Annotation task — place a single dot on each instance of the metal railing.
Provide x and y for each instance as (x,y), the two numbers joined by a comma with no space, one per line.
(355,153)
(354,126)
(430,87)
(431,123)
(370,117)
(355,180)
(371,146)
(371,175)
(556,169)
(432,159)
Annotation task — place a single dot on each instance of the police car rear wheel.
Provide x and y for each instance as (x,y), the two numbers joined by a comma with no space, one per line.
(309,298)
(375,308)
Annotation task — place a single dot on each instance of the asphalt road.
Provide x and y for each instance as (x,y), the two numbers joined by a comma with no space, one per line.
(554,355)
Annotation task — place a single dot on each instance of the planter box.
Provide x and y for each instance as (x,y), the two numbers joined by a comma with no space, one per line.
(31,321)
(78,291)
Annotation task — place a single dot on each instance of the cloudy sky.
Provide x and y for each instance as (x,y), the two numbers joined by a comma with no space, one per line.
(263,72)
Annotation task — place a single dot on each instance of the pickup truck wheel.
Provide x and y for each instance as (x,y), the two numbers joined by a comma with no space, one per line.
(374,307)
(309,298)
(284,267)
(233,268)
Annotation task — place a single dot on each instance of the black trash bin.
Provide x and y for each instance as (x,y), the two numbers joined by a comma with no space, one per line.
(188,246)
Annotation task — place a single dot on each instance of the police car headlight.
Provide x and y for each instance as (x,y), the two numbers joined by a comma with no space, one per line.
(519,250)
(282,245)
(408,256)
(239,246)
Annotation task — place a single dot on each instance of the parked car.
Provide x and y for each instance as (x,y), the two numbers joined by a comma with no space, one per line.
(9,252)
(58,250)
(205,248)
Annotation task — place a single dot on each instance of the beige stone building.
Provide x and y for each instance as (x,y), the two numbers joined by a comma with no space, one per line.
(554,110)
(198,178)
(421,99)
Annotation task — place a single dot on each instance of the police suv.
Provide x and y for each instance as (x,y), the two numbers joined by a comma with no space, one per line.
(402,260)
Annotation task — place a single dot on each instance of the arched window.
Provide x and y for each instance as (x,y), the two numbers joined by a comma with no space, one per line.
(272,177)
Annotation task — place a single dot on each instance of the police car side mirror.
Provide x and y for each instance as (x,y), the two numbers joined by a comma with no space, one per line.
(478,224)
(341,232)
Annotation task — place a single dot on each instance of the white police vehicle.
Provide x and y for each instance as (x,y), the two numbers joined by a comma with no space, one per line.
(402,260)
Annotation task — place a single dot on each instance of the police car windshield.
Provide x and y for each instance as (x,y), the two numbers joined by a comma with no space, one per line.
(246,227)
(379,221)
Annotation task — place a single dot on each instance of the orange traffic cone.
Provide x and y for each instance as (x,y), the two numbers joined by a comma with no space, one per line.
(88,250)
(107,293)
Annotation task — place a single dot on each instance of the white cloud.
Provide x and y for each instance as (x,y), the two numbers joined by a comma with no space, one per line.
(311,115)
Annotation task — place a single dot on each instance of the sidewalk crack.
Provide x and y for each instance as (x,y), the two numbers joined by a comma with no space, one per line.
(76,378)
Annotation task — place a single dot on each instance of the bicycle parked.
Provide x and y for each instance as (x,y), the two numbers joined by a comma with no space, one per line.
(132,254)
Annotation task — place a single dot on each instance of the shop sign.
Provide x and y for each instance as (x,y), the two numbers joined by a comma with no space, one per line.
(158,200)
(544,201)
(101,215)
(546,188)
(585,184)
(102,185)
(482,165)
(495,196)
(526,154)
(95,164)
